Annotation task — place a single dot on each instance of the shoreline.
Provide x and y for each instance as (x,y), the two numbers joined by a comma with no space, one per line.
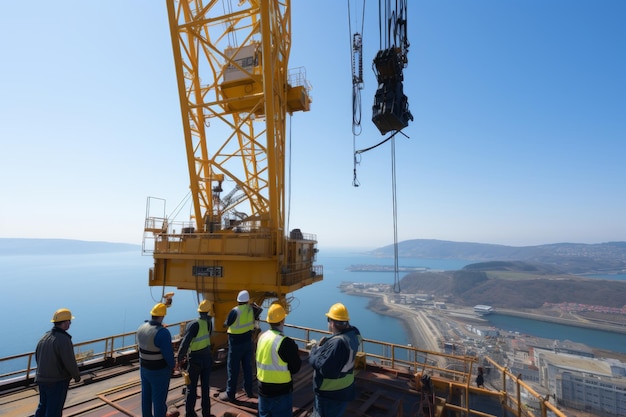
(586,324)
(613,328)
(423,333)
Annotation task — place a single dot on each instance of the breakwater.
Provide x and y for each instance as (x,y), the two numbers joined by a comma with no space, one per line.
(588,324)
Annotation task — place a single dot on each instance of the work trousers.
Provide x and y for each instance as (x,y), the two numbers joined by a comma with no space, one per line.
(326,407)
(280,406)
(52,397)
(199,367)
(239,354)
(155,384)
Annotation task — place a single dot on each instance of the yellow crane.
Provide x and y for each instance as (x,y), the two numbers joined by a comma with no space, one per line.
(235,92)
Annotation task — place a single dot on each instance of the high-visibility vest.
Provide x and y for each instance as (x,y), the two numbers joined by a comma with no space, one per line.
(270,367)
(203,338)
(347,371)
(245,320)
(148,351)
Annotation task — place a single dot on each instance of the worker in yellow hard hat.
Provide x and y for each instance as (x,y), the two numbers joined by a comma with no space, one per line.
(156,358)
(277,359)
(56,365)
(197,343)
(240,325)
(333,364)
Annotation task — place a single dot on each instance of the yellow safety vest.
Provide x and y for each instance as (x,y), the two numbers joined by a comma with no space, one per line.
(203,338)
(270,368)
(245,320)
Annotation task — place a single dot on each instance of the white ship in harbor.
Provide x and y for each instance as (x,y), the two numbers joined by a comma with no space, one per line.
(483,310)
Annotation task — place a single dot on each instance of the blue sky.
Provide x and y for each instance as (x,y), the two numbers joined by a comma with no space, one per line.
(519,135)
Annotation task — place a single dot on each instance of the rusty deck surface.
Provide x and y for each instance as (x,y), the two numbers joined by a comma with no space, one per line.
(117,392)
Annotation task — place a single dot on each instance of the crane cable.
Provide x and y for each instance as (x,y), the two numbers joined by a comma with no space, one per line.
(289,149)
(356,47)
(392,27)
(396,268)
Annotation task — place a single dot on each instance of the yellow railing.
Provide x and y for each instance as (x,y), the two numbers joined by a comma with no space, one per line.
(20,369)
(520,394)
(449,373)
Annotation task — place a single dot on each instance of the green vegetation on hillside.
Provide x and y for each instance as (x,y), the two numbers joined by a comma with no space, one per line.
(516,286)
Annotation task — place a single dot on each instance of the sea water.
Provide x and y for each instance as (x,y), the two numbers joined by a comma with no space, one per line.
(615,342)
(108,294)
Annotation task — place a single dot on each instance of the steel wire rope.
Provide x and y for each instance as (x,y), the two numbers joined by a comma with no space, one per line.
(288,220)
(396,269)
(180,206)
(386,19)
(356,61)
(173,215)
(356,42)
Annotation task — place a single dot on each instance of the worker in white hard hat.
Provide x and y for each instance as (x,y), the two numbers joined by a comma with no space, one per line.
(277,358)
(156,357)
(240,324)
(56,365)
(197,344)
(333,364)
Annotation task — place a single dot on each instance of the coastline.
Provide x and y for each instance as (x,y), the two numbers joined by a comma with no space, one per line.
(424,333)
(588,324)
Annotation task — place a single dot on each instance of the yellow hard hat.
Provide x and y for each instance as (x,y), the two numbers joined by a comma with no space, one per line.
(338,312)
(62,314)
(204,306)
(159,310)
(276,313)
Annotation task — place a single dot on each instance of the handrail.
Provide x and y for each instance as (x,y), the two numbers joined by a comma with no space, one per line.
(21,368)
(450,373)
(521,387)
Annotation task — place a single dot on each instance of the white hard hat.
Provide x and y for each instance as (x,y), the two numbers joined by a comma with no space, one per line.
(243,296)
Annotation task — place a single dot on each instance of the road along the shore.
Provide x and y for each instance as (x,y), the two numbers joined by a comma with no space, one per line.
(423,332)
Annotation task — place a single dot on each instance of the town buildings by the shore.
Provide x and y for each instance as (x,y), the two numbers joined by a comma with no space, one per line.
(569,372)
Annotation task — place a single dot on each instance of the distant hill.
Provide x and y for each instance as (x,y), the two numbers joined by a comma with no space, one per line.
(574,258)
(531,289)
(15,246)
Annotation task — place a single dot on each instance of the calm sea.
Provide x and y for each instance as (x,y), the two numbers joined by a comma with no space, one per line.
(615,342)
(108,294)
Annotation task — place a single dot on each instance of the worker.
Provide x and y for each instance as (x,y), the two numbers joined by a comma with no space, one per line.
(240,324)
(277,359)
(156,358)
(332,360)
(56,365)
(480,379)
(197,340)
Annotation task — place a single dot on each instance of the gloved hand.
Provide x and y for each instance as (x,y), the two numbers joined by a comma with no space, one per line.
(77,379)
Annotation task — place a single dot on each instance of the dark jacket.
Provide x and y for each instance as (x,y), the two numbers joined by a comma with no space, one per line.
(335,360)
(191,331)
(55,357)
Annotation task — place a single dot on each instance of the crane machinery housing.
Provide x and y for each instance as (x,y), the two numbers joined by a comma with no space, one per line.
(235,92)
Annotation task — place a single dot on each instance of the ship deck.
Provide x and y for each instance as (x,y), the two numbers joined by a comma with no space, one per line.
(387,379)
(116,391)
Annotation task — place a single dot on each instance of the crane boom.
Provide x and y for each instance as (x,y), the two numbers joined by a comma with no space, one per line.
(235,92)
